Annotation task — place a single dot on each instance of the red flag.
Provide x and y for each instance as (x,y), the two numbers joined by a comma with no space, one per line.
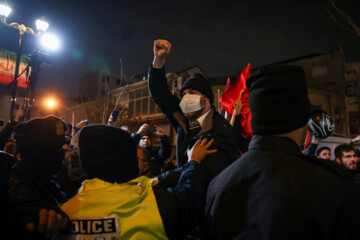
(245,115)
(232,94)
(229,97)
(307,139)
(228,85)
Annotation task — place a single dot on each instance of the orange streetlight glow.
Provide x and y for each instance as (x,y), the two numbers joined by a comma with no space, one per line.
(50,103)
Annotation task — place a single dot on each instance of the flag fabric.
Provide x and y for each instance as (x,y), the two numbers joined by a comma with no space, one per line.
(222,110)
(307,139)
(231,95)
(245,115)
(7,68)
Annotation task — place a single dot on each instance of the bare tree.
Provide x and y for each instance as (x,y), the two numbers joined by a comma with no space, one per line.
(349,25)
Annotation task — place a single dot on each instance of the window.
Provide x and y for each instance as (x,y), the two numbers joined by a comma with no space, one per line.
(137,107)
(144,106)
(319,71)
(141,104)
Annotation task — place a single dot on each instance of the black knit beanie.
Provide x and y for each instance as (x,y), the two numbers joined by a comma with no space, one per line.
(108,152)
(38,134)
(40,141)
(278,99)
(199,83)
(148,134)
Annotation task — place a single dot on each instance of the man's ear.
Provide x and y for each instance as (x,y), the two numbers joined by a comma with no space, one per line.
(338,160)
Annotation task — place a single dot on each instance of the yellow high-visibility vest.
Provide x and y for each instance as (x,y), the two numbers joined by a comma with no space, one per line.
(125,211)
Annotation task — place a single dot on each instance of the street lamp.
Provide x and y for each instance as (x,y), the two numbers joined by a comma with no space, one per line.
(52,103)
(41,26)
(4,11)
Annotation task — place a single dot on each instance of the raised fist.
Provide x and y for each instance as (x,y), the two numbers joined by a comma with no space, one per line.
(161,48)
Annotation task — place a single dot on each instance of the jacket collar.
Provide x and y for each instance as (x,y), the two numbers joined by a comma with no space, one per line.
(275,143)
(207,122)
(287,145)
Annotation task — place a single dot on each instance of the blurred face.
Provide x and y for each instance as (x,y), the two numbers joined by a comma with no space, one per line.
(67,149)
(143,164)
(348,160)
(204,102)
(145,141)
(325,154)
(68,131)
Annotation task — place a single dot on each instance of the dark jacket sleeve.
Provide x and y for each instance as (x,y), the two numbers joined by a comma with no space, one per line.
(165,147)
(182,207)
(170,178)
(160,93)
(136,137)
(6,133)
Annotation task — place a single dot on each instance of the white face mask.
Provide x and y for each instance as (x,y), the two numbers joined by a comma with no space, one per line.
(190,103)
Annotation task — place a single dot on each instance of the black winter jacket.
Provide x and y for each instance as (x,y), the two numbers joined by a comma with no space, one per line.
(274,192)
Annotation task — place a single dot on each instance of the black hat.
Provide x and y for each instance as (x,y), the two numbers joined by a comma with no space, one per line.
(278,99)
(38,134)
(108,152)
(148,134)
(199,83)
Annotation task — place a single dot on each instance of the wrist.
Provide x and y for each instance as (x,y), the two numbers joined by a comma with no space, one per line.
(158,62)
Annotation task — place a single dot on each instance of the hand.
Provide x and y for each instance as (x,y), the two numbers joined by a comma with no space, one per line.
(155,181)
(143,128)
(110,120)
(161,51)
(50,223)
(200,150)
(82,124)
(237,106)
(19,114)
(159,132)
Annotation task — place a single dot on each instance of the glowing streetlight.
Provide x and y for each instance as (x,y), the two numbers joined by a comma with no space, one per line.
(41,26)
(50,41)
(4,11)
(51,103)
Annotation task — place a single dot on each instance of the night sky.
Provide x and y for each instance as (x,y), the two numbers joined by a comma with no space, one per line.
(220,36)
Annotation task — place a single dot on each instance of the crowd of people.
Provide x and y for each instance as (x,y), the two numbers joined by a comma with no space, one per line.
(99,181)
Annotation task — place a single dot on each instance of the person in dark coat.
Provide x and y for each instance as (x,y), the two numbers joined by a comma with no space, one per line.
(157,158)
(273,191)
(144,139)
(193,118)
(32,209)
